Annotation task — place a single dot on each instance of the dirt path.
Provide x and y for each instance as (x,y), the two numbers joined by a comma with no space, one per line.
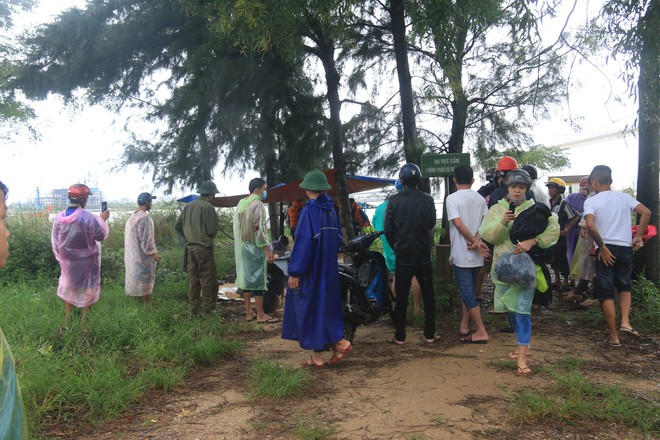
(447,390)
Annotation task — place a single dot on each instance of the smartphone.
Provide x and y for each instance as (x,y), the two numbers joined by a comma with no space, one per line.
(104,206)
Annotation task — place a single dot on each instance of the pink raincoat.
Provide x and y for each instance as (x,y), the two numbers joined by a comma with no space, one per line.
(76,241)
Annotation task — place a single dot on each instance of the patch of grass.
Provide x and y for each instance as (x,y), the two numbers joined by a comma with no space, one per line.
(270,379)
(312,429)
(504,364)
(416,436)
(646,305)
(573,399)
(164,378)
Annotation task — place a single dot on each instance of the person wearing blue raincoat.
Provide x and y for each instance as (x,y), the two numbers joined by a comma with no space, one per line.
(313,313)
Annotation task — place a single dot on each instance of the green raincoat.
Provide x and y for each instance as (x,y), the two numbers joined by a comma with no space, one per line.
(507,297)
(250,237)
(13,425)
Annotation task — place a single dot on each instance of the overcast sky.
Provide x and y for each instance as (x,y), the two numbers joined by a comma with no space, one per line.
(84,145)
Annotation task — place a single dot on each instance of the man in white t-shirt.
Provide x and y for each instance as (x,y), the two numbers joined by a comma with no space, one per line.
(465,210)
(609,220)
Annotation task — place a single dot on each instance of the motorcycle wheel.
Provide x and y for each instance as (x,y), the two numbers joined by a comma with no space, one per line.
(349,330)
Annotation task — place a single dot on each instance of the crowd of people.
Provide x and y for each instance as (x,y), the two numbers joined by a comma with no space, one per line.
(508,223)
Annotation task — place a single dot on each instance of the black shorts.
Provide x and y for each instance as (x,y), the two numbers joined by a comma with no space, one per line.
(616,278)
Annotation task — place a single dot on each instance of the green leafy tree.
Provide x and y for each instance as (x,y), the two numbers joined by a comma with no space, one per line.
(14,115)
(489,68)
(322,31)
(161,57)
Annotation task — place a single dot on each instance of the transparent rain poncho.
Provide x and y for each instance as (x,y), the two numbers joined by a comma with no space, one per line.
(76,241)
(139,246)
(13,425)
(250,237)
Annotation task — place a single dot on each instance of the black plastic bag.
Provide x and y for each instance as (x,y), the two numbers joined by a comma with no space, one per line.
(517,269)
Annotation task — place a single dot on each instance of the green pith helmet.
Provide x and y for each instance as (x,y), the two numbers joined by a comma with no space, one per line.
(315,180)
(208,187)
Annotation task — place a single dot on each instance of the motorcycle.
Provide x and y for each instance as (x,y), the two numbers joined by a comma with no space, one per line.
(365,290)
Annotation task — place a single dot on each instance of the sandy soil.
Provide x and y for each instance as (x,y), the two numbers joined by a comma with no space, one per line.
(447,390)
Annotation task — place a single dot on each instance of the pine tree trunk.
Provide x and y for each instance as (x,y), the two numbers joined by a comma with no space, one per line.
(649,131)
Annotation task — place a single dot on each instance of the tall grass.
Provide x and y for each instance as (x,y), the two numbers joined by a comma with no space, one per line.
(87,374)
(571,398)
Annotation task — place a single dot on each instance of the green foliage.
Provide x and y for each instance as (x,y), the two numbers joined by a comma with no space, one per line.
(30,248)
(270,379)
(312,429)
(90,374)
(571,398)
(488,64)
(123,350)
(645,311)
(542,157)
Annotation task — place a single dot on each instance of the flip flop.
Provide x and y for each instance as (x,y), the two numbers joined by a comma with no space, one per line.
(468,340)
(335,359)
(394,341)
(613,344)
(524,371)
(269,321)
(433,340)
(630,331)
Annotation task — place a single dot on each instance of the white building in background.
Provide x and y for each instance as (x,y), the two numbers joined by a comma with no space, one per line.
(617,149)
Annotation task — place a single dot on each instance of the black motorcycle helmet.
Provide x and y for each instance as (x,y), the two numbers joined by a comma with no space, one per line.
(531,170)
(410,174)
(491,175)
(519,177)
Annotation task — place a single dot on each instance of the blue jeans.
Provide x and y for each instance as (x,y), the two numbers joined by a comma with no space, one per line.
(522,326)
(466,278)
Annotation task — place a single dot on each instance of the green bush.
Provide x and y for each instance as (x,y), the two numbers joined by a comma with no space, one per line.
(30,248)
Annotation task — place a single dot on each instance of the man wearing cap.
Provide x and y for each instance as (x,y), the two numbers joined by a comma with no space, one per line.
(76,242)
(199,224)
(140,254)
(252,250)
(313,313)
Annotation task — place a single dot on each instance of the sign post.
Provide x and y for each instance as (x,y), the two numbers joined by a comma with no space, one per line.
(442,165)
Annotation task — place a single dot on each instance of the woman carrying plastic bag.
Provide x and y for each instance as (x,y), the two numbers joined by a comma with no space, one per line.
(516,299)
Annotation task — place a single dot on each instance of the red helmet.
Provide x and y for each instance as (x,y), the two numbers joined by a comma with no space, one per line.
(79,191)
(584,181)
(507,163)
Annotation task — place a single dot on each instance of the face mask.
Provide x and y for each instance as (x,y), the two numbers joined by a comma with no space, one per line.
(264,195)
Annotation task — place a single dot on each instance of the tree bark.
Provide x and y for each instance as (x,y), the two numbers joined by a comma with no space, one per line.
(411,149)
(325,53)
(648,171)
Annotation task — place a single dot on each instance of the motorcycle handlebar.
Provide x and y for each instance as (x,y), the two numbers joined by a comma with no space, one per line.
(361,242)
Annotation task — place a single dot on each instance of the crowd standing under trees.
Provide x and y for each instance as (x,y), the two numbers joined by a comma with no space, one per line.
(242,92)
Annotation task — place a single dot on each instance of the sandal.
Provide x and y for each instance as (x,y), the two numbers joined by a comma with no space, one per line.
(339,354)
(630,331)
(310,363)
(524,371)
(394,341)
